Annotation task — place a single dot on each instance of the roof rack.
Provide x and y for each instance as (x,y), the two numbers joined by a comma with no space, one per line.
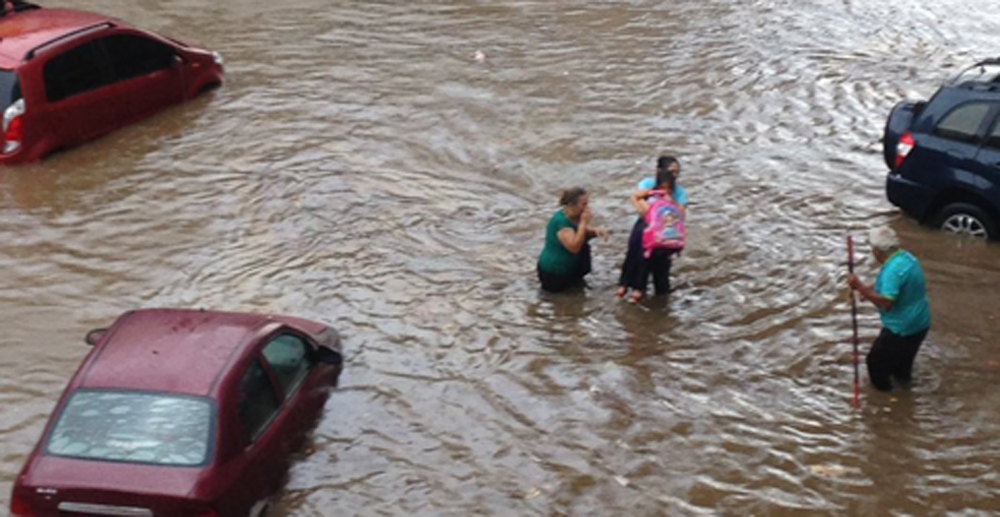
(86,30)
(983,73)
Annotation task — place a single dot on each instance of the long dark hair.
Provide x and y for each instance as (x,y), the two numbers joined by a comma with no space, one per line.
(666,180)
(571,196)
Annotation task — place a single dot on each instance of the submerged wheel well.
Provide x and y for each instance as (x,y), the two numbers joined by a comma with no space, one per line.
(207,87)
(951,196)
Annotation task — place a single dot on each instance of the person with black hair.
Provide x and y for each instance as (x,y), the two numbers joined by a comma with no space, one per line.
(565,259)
(637,268)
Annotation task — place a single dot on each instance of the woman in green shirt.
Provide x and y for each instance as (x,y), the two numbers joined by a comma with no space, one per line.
(565,259)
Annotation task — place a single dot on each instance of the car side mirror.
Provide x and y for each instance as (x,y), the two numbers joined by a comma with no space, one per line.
(328,356)
(95,336)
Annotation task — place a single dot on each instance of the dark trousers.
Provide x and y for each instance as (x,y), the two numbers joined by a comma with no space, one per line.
(637,268)
(892,355)
(555,283)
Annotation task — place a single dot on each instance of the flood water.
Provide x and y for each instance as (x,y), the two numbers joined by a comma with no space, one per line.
(363,167)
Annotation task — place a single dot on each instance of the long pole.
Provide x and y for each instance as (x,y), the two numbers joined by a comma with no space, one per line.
(854,321)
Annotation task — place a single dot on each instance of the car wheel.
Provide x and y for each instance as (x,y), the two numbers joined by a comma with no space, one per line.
(968,220)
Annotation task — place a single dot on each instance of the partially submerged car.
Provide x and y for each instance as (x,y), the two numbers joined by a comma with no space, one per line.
(67,77)
(181,413)
(943,154)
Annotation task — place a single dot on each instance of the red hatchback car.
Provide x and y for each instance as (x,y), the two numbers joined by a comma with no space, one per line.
(68,76)
(181,413)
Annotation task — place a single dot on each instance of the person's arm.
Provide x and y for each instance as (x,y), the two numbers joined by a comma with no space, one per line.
(638,200)
(869,293)
(572,240)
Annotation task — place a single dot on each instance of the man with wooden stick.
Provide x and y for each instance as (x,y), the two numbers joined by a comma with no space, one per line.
(900,295)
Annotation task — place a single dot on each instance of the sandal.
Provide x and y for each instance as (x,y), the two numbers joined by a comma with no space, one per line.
(620,293)
(636,297)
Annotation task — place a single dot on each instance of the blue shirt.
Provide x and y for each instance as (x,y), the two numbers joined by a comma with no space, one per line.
(902,281)
(680,196)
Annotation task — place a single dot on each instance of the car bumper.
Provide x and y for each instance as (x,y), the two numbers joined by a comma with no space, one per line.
(912,198)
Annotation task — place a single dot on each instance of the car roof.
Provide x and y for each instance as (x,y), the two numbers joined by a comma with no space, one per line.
(174,350)
(23,31)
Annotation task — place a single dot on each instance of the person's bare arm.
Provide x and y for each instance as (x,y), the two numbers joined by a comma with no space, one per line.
(638,200)
(574,240)
(868,292)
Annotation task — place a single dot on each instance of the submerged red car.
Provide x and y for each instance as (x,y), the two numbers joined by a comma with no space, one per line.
(181,413)
(70,76)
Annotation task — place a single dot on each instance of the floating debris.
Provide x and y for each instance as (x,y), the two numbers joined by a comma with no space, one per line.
(828,471)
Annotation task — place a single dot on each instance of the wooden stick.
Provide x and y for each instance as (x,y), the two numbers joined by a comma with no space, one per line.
(854,321)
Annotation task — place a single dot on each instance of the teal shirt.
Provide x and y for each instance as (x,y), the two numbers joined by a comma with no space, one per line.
(555,258)
(680,195)
(902,281)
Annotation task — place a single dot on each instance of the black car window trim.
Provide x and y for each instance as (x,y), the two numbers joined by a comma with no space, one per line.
(977,135)
(110,49)
(992,139)
(10,87)
(101,60)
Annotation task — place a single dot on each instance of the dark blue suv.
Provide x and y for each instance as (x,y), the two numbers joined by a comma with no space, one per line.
(944,154)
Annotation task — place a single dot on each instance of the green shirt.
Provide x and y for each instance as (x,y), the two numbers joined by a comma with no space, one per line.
(902,281)
(555,258)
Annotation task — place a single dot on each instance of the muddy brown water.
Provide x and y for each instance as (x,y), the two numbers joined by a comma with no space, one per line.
(363,167)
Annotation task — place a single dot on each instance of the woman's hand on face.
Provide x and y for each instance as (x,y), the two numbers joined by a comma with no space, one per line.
(586,216)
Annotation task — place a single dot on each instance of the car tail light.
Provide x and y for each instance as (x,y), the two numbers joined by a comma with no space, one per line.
(13,126)
(903,147)
(20,503)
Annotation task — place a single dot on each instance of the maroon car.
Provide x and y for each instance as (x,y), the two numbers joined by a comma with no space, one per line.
(181,413)
(69,76)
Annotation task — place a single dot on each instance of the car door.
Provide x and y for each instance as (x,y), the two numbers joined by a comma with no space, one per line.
(78,106)
(947,155)
(147,75)
(258,408)
(275,403)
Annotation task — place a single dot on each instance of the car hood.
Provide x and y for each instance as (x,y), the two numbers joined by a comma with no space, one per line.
(74,475)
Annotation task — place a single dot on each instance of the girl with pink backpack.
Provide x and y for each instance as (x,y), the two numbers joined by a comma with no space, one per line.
(658,235)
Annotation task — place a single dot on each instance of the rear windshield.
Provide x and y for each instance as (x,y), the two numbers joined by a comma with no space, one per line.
(10,88)
(134,427)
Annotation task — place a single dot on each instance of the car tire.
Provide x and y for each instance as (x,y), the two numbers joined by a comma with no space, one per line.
(966,219)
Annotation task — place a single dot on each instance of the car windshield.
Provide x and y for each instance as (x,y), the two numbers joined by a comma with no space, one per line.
(10,89)
(134,427)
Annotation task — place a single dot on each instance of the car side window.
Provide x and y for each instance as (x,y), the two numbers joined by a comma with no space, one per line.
(290,359)
(963,122)
(994,139)
(135,56)
(258,401)
(75,71)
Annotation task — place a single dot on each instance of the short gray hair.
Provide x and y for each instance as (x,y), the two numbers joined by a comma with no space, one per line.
(883,239)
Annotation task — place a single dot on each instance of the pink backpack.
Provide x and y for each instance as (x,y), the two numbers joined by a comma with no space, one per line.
(664,226)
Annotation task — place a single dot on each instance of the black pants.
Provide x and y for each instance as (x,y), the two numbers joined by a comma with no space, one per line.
(892,355)
(555,283)
(637,268)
